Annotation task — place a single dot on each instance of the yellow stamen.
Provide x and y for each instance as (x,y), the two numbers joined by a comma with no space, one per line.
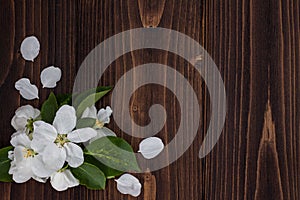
(61,139)
(29,153)
(99,124)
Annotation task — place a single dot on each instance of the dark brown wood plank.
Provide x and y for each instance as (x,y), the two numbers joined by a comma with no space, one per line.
(256,47)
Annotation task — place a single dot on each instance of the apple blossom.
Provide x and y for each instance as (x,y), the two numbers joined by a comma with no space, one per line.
(26,162)
(58,140)
(23,119)
(102,118)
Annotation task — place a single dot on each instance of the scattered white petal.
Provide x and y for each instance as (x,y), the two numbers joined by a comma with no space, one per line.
(30,48)
(128,184)
(27,90)
(50,76)
(151,147)
(61,181)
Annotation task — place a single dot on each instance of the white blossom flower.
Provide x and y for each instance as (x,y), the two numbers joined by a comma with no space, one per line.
(30,48)
(63,179)
(151,147)
(27,90)
(56,143)
(50,76)
(23,119)
(128,184)
(26,162)
(102,118)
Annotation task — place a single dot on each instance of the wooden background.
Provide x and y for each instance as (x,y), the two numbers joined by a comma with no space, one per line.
(255,44)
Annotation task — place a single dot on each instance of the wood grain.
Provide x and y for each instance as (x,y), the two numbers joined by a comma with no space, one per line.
(256,46)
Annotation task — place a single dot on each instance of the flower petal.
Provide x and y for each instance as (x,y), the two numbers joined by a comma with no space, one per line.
(44,131)
(61,181)
(13,167)
(19,123)
(39,169)
(74,154)
(11,155)
(104,114)
(58,181)
(20,140)
(90,112)
(54,157)
(19,154)
(128,184)
(102,132)
(27,90)
(17,133)
(50,76)
(23,172)
(39,179)
(82,135)
(72,181)
(30,48)
(43,134)
(151,147)
(27,112)
(65,119)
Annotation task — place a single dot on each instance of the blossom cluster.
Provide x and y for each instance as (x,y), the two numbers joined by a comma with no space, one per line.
(43,150)
(51,143)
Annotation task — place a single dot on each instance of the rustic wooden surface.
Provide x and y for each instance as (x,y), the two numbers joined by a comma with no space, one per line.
(256,46)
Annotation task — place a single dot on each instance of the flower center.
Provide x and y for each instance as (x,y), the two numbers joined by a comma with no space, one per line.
(61,139)
(29,153)
(29,126)
(99,124)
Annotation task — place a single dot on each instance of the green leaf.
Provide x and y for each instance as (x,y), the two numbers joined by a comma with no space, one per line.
(114,152)
(89,101)
(5,164)
(64,99)
(85,122)
(49,108)
(90,176)
(80,97)
(109,172)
